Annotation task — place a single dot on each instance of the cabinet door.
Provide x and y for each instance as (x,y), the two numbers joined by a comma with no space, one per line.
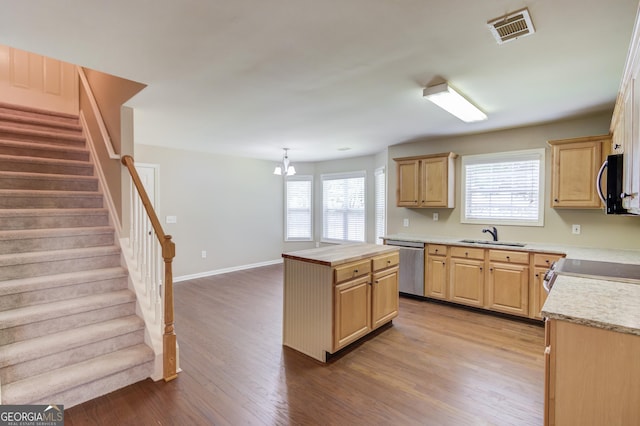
(538,293)
(574,170)
(508,288)
(352,311)
(436,282)
(434,176)
(408,188)
(384,297)
(466,281)
(631,167)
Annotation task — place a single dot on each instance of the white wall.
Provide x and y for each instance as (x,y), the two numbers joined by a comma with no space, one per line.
(598,230)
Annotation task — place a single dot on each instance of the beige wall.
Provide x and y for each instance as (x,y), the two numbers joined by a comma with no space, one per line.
(598,230)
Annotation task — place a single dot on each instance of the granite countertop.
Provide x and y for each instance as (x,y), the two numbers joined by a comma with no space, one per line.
(595,302)
(339,254)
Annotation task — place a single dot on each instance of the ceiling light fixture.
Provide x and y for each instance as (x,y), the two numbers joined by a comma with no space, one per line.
(285,168)
(453,102)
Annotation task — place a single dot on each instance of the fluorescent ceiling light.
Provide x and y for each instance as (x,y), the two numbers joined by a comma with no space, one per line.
(453,102)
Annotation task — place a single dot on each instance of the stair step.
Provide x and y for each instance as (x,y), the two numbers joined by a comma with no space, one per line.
(22,265)
(47,182)
(53,384)
(33,199)
(29,291)
(64,348)
(16,119)
(33,240)
(52,218)
(37,113)
(42,150)
(31,135)
(12,163)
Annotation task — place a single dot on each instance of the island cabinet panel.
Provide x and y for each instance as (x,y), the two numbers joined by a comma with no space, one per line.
(592,376)
(352,311)
(541,263)
(384,295)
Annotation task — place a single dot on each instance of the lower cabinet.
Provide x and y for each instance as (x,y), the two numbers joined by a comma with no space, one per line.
(508,282)
(466,276)
(537,294)
(592,375)
(352,307)
(384,297)
(436,272)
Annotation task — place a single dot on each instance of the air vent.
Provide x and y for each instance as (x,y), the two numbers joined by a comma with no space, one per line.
(511,26)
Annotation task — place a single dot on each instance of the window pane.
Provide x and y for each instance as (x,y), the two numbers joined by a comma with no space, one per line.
(343,207)
(298,208)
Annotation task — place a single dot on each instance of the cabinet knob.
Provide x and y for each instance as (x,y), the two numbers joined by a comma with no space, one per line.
(555,200)
(481,269)
(388,262)
(537,275)
(490,269)
(617,146)
(376,282)
(508,258)
(547,261)
(625,195)
(436,250)
(466,253)
(355,271)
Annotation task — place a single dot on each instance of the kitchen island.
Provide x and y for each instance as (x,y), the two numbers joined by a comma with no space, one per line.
(335,295)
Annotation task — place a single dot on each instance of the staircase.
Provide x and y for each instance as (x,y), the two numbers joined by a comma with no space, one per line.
(68,325)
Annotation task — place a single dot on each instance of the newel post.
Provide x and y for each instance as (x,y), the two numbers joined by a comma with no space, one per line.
(169,340)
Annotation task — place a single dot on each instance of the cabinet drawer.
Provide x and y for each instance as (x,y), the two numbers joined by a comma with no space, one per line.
(509,256)
(437,249)
(467,252)
(545,259)
(352,270)
(386,261)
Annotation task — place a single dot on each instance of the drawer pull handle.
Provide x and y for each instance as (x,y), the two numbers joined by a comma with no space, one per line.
(388,262)
(355,271)
(466,253)
(436,250)
(508,258)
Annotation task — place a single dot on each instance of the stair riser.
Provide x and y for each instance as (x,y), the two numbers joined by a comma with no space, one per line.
(53,221)
(41,268)
(19,201)
(43,152)
(39,124)
(78,395)
(48,184)
(49,362)
(30,298)
(30,331)
(24,245)
(26,165)
(51,139)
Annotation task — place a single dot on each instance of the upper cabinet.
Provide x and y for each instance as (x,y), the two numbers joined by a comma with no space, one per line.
(625,125)
(426,181)
(574,169)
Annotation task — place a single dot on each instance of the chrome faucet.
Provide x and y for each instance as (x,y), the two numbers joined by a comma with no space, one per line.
(493,233)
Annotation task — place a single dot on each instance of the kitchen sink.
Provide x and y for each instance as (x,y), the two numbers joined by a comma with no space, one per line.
(493,243)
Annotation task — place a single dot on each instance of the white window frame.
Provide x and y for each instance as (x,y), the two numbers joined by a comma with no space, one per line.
(298,178)
(380,204)
(498,158)
(339,176)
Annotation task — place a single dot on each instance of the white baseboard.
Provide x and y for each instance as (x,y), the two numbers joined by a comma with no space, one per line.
(225,270)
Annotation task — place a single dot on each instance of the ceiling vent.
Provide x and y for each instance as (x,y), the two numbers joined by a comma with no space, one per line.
(511,26)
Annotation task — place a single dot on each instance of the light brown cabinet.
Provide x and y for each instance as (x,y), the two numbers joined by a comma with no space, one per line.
(466,276)
(426,181)
(592,375)
(541,263)
(508,282)
(574,169)
(436,272)
(352,318)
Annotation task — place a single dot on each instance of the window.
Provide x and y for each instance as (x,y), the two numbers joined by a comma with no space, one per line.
(298,218)
(343,207)
(380,203)
(503,188)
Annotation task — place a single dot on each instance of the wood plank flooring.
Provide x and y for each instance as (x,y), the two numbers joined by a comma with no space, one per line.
(436,365)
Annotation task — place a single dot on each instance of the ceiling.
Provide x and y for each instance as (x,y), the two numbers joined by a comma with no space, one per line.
(332,78)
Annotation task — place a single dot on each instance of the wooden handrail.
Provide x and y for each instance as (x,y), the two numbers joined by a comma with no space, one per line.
(169,340)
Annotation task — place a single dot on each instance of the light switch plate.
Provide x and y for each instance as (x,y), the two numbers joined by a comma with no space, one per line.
(172,219)
(435,217)
(575,229)
(405,222)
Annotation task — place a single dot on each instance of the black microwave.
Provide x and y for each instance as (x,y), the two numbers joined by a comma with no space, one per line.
(614,194)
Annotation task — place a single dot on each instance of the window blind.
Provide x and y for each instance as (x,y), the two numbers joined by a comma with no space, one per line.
(343,207)
(298,215)
(380,204)
(503,188)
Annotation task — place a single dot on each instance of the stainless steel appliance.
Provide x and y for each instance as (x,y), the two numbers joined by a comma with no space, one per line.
(614,194)
(411,273)
(611,271)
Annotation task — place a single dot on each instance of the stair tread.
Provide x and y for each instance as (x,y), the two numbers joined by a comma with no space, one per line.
(44,160)
(20,285)
(49,192)
(43,133)
(41,112)
(41,145)
(27,350)
(48,176)
(38,387)
(54,232)
(43,120)
(51,255)
(4,213)
(42,312)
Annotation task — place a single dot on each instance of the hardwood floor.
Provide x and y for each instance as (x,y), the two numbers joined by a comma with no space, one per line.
(436,365)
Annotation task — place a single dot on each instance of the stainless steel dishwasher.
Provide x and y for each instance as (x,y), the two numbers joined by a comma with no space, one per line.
(411,274)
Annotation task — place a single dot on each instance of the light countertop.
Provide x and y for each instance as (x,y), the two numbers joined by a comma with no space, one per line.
(591,301)
(339,254)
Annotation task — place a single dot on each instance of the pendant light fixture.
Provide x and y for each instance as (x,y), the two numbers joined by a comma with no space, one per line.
(285,168)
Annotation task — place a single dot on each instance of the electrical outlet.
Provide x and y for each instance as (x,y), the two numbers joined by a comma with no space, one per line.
(405,222)
(575,229)
(204,254)
(435,217)
(172,219)
(317,244)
